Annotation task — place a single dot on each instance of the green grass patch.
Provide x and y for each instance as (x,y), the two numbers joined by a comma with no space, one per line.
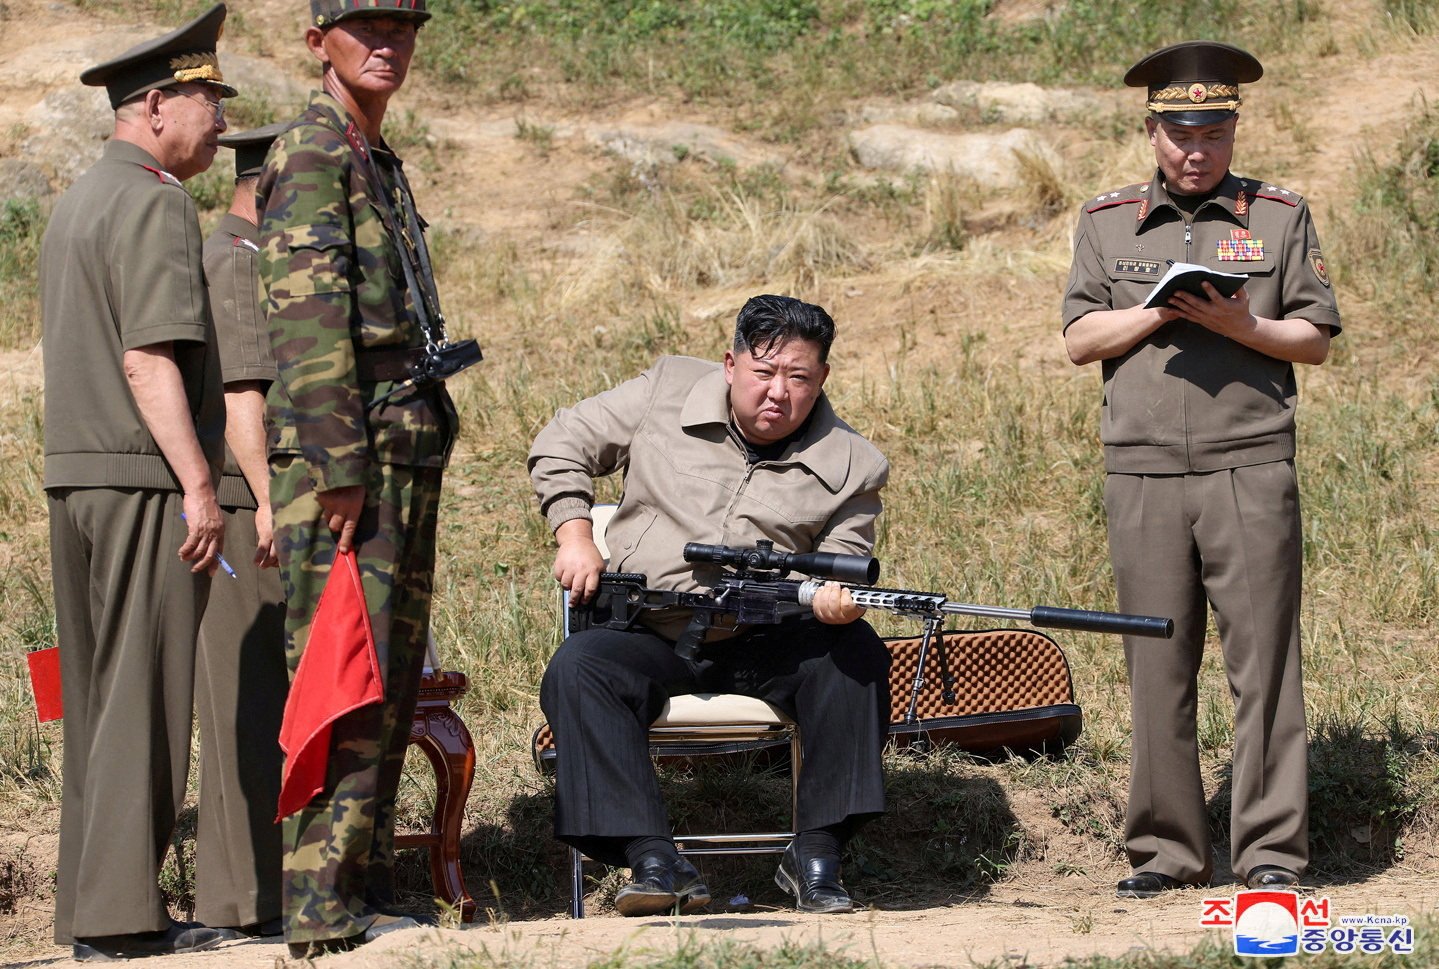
(784,63)
(22,225)
(1419,16)
(1389,239)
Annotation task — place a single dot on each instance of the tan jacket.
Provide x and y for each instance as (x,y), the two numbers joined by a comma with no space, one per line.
(687,480)
(1184,398)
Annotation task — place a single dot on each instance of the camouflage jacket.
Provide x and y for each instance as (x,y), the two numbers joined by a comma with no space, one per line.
(333,288)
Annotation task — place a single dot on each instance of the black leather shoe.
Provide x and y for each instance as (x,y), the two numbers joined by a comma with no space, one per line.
(814,883)
(382,925)
(1272,877)
(137,945)
(1146,884)
(268,929)
(690,887)
(660,885)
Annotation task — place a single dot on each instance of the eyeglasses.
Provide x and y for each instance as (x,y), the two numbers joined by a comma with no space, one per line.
(216,106)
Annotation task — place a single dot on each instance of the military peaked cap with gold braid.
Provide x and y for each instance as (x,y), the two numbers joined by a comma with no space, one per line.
(323,13)
(185,54)
(251,147)
(1196,82)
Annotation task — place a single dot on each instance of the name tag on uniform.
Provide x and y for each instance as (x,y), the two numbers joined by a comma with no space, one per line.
(1147,267)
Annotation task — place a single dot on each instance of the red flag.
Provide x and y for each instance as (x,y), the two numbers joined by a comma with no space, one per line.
(338,673)
(45,682)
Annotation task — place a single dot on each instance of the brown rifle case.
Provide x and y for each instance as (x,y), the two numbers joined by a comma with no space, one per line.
(986,692)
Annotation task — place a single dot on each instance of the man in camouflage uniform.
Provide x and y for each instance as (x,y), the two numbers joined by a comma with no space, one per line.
(240,674)
(356,455)
(133,435)
(1200,493)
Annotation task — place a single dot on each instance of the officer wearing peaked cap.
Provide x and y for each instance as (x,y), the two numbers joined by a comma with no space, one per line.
(357,454)
(240,675)
(134,422)
(183,56)
(1199,444)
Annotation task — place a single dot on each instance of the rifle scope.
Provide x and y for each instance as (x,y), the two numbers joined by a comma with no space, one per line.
(863,569)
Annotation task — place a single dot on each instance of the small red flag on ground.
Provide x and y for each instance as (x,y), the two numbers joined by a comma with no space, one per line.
(338,673)
(45,682)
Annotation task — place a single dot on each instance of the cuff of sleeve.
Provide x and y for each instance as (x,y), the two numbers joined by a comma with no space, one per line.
(562,510)
(1326,318)
(172,332)
(248,371)
(339,474)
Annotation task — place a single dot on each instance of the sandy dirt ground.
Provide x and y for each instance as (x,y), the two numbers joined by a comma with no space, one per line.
(1018,926)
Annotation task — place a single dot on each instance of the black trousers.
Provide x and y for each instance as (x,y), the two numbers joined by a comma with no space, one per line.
(604,687)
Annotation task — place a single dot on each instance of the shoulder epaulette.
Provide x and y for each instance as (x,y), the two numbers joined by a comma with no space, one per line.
(1268,190)
(239,243)
(163,176)
(1123,196)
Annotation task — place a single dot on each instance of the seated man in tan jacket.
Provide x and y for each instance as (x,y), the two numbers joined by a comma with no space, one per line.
(724,454)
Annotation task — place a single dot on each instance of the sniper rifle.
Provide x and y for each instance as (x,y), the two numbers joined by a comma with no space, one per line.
(755,591)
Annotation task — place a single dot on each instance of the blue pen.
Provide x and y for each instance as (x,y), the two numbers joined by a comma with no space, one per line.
(223,564)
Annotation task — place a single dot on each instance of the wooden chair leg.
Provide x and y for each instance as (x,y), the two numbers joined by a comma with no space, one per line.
(439,732)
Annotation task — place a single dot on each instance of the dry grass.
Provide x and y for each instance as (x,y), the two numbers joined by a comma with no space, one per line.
(949,358)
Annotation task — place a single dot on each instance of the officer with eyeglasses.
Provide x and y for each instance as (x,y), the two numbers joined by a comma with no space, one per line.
(134,424)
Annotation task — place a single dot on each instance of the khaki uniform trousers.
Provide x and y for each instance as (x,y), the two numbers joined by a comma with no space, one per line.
(339,861)
(1232,538)
(127,611)
(240,685)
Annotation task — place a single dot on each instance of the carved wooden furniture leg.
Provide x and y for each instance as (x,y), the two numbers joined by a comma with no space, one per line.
(439,732)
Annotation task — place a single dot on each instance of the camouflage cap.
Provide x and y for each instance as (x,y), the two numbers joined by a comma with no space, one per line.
(252,146)
(186,54)
(323,13)
(1195,82)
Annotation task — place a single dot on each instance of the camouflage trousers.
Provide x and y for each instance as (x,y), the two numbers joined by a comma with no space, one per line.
(340,849)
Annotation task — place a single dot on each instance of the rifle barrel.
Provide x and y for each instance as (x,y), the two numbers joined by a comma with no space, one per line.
(1088,620)
(908,602)
(1085,620)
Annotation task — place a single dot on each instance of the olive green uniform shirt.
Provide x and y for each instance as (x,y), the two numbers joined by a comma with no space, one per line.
(121,270)
(230,267)
(1186,399)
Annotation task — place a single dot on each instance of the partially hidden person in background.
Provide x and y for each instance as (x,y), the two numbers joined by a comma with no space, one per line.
(240,675)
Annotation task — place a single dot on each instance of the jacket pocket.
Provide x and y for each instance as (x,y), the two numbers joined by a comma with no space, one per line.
(321,261)
(623,537)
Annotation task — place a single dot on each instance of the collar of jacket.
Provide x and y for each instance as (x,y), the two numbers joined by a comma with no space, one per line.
(117,149)
(326,110)
(821,449)
(239,228)
(1230,196)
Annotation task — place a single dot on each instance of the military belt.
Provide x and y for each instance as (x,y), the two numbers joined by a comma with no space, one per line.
(386,363)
